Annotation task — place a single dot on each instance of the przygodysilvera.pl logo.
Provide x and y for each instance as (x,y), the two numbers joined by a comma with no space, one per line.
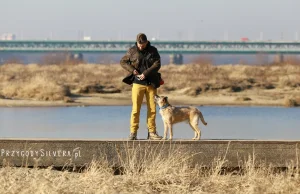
(41,153)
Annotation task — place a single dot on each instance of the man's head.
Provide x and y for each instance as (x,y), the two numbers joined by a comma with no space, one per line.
(141,40)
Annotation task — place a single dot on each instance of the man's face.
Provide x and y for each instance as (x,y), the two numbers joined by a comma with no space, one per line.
(142,46)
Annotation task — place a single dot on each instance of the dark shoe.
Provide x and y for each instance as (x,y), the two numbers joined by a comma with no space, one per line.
(132,136)
(154,136)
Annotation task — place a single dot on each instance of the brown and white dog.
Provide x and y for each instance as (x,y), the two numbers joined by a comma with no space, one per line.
(171,115)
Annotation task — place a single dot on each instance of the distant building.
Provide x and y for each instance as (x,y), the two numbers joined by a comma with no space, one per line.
(87,38)
(8,36)
(245,39)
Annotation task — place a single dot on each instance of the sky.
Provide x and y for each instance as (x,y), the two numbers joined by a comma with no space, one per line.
(159,19)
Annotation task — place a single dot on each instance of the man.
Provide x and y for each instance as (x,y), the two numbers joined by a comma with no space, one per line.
(142,61)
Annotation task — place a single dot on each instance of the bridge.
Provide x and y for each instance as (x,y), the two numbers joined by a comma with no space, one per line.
(174,48)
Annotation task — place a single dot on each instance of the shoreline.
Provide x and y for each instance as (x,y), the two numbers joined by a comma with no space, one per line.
(124,99)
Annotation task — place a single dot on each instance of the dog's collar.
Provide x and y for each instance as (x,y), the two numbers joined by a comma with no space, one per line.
(164,106)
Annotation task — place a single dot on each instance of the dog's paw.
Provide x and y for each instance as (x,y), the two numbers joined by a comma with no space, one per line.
(164,138)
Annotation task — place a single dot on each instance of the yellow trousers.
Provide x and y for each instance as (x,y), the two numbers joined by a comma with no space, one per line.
(138,92)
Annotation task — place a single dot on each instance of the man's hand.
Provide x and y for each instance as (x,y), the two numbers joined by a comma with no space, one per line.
(141,77)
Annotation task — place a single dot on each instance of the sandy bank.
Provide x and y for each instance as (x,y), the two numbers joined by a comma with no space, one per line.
(248,98)
(190,84)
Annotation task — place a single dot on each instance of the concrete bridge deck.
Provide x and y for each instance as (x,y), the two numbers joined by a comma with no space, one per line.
(164,47)
(63,152)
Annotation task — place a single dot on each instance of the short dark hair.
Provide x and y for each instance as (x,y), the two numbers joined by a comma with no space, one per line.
(141,38)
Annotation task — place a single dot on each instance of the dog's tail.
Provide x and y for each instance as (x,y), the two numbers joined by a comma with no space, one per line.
(202,118)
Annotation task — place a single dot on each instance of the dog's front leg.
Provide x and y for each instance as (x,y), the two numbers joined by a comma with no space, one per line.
(165,130)
(171,131)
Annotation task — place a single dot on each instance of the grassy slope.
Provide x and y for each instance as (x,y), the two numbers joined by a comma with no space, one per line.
(240,84)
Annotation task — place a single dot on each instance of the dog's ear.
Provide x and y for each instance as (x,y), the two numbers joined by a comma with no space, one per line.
(165,99)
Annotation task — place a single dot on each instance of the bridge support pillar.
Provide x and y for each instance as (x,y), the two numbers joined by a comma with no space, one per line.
(279,58)
(176,59)
(75,57)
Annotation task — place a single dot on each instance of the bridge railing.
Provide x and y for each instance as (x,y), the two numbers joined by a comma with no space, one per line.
(167,47)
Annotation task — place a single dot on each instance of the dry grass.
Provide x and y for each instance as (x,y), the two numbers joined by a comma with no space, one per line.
(150,172)
(54,82)
(292,101)
(226,76)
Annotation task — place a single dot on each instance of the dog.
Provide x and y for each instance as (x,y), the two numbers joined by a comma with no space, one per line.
(171,115)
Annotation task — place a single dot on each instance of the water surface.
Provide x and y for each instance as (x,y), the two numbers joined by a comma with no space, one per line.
(112,122)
